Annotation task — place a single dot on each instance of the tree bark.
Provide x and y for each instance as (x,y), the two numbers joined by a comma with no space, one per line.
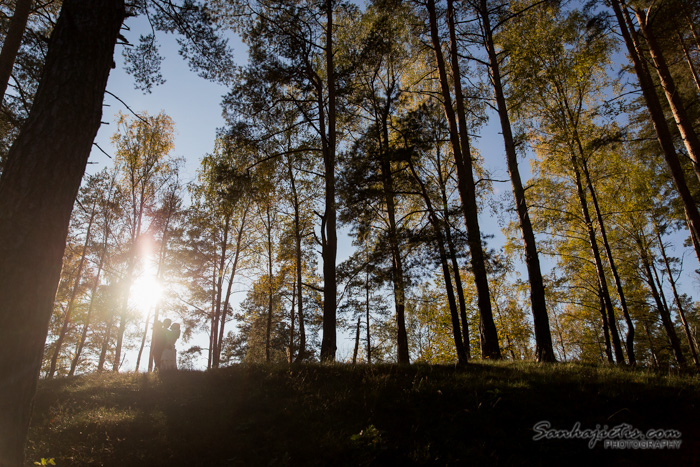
(629,340)
(683,122)
(661,308)
(12,43)
(440,241)
(602,281)
(330,235)
(467,189)
(658,119)
(544,351)
(681,311)
(37,190)
(73,296)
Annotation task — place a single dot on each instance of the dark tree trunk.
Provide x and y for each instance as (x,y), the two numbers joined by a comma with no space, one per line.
(454,314)
(453,259)
(330,235)
(606,328)
(663,311)
(681,311)
(71,300)
(629,340)
(357,341)
(544,351)
(658,119)
(215,345)
(268,329)
(227,299)
(683,122)
(12,43)
(37,190)
(369,342)
(600,271)
(467,189)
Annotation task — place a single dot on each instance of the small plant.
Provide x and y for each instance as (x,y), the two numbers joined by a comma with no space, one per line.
(44,461)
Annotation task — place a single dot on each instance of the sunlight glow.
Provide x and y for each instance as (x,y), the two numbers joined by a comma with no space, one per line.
(146,289)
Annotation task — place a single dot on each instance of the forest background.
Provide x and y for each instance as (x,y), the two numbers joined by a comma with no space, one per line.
(188,255)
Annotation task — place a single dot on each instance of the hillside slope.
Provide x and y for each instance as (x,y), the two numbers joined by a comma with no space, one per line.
(365,415)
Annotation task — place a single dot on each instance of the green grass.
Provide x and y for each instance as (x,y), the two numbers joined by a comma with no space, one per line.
(365,415)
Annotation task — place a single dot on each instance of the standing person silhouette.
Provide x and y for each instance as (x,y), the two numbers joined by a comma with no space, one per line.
(169,354)
(160,331)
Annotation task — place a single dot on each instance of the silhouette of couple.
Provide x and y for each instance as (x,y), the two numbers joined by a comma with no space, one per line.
(164,337)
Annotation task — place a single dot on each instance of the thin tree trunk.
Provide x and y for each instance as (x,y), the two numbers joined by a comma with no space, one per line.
(688,58)
(606,328)
(681,311)
(663,311)
(544,351)
(456,332)
(268,332)
(357,341)
(453,260)
(234,269)
(12,43)
(602,281)
(658,119)
(629,340)
(651,346)
(38,187)
(330,235)
(73,296)
(467,189)
(219,292)
(367,323)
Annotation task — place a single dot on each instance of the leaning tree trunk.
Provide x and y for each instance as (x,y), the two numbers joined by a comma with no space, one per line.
(658,119)
(12,43)
(37,190)
(602,281)
(544,351)
(629,339)
(462,358)
(675,102)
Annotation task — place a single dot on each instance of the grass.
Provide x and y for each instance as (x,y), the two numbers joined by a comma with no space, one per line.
(363,415)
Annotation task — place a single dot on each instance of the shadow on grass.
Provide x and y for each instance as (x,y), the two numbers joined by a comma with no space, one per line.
(251,415)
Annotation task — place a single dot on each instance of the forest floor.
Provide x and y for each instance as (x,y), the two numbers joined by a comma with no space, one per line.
(484,414)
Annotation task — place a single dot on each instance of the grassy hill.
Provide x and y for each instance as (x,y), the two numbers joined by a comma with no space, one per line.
(365,415)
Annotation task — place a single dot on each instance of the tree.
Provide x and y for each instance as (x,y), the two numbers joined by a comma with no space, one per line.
(38,187)
(463,160)
(143,145)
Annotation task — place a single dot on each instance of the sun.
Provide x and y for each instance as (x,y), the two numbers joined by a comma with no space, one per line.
(145,291)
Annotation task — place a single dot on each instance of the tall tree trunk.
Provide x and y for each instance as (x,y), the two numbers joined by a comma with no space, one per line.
(629,339)
(606,328)
(215,345)
(357,341)
(655,359)
(37,190)
(234,269)
(663,311)
(268,332)
(91,306)
(330,235)
(688,58)
(683,122)
(12,43)
(600,271)
(73,296)
(440,241)
(453,259)
(467,189)
(658,119)
(544,351)
(367,323)
(681,311)
(105,343)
